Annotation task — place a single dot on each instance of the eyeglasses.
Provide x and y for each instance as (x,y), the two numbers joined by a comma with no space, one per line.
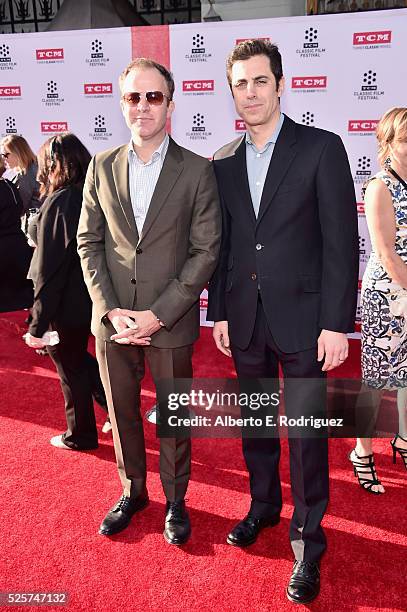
(5,155)
(155,98)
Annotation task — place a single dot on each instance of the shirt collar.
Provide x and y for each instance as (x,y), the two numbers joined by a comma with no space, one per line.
(158,153)
(273,137)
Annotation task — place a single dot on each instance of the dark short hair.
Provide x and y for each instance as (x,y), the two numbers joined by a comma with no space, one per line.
(250,48)
(66,158)
(146,63)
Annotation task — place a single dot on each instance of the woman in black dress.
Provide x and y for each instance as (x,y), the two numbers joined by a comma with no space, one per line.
(16,292)
(61,300)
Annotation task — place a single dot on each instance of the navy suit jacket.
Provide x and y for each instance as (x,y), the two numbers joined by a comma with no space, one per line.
(301,252)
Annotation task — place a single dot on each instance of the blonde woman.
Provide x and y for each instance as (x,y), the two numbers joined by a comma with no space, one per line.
(384,289)
(19,157)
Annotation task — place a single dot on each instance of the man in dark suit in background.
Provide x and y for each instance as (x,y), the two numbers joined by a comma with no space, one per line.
(148,237)
(285,288)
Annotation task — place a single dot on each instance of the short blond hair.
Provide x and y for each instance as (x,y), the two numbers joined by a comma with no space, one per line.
(145,63)
(391,127)
(19,146)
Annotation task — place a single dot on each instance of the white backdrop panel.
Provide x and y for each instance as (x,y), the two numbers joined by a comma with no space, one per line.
(342,72)
(52,69)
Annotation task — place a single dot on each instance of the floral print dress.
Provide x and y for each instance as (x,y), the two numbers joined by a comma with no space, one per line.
(384,306)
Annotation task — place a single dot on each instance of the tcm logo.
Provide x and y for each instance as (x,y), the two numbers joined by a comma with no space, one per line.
(240,125)
(362,125)
(11,127)
(311,38)
(198,123)
(364,167)
(198,44)
(10,91)
(207,85)
(97,88)
(314,82)
(5,53)
(203,302)
(372,38)
(239,40)
(54,126)
(100,124)
(49,54)
(360,208)
(359,284)
(308,118)
(96,48)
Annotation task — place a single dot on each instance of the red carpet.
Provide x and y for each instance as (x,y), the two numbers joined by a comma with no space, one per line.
(54,500)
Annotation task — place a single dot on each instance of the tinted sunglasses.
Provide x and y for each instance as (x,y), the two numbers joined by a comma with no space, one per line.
(155,98)
(5,155)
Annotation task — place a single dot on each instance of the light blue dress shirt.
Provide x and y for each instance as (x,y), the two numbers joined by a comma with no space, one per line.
(143,180)
(258,162)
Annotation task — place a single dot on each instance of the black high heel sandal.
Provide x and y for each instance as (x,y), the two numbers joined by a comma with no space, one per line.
(360,469)
(401,451)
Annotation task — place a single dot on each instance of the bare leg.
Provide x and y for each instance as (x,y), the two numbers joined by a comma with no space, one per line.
(402,410)
(368,409)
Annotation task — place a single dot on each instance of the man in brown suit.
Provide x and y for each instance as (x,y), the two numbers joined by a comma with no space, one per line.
(148,239)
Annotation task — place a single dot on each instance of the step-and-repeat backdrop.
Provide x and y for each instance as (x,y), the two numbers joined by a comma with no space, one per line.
(342,72)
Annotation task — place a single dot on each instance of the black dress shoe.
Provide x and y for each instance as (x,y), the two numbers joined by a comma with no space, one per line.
(246,532)
(177,528)
(120,515)
(304,582)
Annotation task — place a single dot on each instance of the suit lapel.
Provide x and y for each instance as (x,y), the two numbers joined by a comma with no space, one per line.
(171,170)
(242,181)
(283,155)
(120,169)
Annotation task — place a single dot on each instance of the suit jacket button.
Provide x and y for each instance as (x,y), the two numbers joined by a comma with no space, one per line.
(259,247)
(133,280)
(254,276)
(139,251)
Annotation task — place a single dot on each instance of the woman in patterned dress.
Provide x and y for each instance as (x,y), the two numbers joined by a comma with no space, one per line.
(384,289)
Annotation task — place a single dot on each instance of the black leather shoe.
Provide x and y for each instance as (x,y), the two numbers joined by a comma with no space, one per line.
(120,515)
(304,582)
(246,532)
(177,528)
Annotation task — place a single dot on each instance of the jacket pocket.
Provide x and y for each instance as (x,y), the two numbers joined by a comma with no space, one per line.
(293,186)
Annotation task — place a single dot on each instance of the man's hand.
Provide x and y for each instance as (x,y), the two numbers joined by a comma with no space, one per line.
(221,337)
(133,326)
(334,346)
(123,322)
(33,342)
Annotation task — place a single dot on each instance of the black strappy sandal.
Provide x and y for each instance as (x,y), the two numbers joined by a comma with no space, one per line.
(401,451)
(361,469)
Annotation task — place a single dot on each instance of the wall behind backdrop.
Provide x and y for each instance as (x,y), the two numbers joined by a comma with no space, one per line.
(342,72)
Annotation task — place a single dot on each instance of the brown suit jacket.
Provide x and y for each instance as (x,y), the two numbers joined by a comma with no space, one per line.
(167,267)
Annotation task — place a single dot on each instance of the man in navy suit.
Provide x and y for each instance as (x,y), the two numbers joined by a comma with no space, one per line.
(285,288)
